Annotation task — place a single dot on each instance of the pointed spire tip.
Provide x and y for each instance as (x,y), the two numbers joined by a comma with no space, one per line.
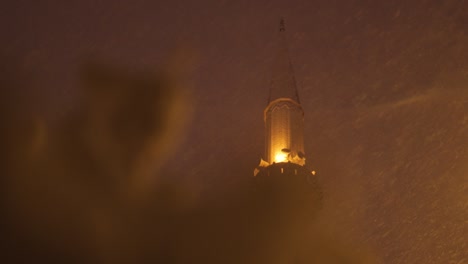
(282,27)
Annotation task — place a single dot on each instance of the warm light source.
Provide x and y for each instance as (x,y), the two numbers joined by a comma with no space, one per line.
(281,157)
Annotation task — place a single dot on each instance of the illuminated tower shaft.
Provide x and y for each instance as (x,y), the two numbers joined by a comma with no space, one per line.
(284,117)
(284,126)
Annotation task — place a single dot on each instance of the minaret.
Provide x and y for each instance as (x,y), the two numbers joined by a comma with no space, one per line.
(288,196)
(283,116)
(283,166)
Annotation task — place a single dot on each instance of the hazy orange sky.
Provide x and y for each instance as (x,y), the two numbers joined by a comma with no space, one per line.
(383,84)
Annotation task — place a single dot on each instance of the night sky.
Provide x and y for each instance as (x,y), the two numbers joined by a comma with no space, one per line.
(384,87)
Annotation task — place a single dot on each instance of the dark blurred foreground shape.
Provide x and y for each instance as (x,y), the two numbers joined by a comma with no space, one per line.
(69,189)
(73,191)
(85,189)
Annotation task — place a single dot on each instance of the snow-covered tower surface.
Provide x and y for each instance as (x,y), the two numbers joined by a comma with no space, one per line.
(283,116)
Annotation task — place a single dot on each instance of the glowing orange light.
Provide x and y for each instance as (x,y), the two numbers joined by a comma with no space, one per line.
(281,157)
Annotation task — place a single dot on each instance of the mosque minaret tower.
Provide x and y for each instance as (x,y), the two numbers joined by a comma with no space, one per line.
(284,118)
(283,170)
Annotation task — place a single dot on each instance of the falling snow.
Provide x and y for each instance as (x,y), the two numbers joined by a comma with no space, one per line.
(384,87)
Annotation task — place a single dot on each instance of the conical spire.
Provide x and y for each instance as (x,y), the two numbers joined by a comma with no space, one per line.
(283,83)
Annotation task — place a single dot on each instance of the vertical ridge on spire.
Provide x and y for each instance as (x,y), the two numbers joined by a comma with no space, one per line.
(283,82)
